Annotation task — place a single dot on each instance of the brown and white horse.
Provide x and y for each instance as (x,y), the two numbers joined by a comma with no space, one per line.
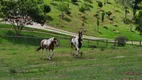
(48,44)
(76,42)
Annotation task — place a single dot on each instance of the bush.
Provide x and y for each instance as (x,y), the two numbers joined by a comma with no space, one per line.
(109,13)
(121,40)
(82,9)
(100,4)
(127,21)
(74,1)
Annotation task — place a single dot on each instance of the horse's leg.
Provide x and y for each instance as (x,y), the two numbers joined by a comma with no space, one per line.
(41,53)
(72,50)
(48,52)
(77,51)
(52,53)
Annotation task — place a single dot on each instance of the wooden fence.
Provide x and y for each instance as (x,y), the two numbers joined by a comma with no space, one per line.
(64,41)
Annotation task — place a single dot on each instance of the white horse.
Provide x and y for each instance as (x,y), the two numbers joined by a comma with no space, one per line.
(76,42)
(48,44)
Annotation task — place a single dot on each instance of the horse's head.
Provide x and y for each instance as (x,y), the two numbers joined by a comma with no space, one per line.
(80,34)
(56,41)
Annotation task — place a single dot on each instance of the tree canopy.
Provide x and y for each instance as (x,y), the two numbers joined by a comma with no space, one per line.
(22,12)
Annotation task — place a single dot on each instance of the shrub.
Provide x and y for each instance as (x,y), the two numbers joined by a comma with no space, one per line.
(100,4)
(82,9)
(121,40)
(12,71)
(74,1)
(109,13)
(127,21)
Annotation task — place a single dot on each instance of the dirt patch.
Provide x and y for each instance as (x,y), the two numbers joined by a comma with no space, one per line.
(132,73)
(119,57)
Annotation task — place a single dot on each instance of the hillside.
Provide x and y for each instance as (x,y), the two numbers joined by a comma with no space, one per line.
(110,28)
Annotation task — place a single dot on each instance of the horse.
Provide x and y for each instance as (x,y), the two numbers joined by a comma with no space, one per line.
(48,44)
(76,42)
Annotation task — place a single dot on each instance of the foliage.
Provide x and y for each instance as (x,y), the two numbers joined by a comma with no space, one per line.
(127,21)
(74,1)
(47,8)
(90,1)
(82,9)
(138,21)
(64,8)
(103,16)
(22,12)
(121,40)
(85,7)
(100,4)
(109,13)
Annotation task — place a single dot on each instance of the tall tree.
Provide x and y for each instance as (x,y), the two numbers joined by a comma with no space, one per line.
(22,12)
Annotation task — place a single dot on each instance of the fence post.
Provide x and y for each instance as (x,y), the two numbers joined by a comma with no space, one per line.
(88,43)
(25,40)
(132,43)
(106,43)
(140,43)
(59,42)
(0,41)
(13,40)
(36,41)
(97,43)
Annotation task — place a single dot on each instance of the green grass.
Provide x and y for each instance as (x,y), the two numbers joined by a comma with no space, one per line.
(20,61)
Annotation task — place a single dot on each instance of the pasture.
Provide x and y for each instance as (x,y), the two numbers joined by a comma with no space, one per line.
(23,63)
(20,61)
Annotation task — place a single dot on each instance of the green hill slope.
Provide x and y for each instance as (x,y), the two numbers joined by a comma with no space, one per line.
(110,28)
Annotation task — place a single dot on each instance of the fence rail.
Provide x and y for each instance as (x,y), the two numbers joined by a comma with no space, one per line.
(64,41)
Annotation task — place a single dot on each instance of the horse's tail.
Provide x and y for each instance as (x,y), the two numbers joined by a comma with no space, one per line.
(38,48)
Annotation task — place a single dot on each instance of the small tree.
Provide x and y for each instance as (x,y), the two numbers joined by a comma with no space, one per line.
(109,13)
(98,24)
(100,4)
(64,8)
(46,9)
(103,16)
(82,9)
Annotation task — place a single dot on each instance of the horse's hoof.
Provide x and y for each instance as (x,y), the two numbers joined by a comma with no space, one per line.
(73,54)
(76,55)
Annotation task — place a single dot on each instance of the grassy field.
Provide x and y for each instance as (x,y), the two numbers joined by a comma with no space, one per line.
(20,61)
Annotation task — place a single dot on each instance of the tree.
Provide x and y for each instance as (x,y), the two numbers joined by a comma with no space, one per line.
(100,4)
(109,13)
(64,8)
(22,12)
(103,16)
(130,3)
(138,21)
